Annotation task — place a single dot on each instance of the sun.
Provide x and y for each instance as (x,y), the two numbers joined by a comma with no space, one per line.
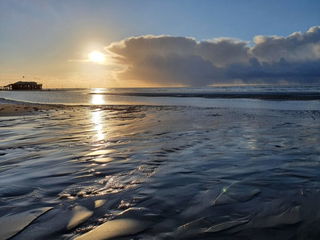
(97,57)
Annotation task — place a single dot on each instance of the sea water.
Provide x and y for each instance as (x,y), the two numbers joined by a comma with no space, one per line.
(198,97)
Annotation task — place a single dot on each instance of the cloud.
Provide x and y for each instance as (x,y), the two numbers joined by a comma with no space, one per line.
(190,70)
(168,60)
(272,72)
(224,51)
(296,47)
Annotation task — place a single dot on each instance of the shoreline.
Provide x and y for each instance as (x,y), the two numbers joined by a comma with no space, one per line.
(16,108)
(11,109)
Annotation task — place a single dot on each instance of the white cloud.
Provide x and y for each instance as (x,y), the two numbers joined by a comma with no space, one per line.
(295,47)
(168,60)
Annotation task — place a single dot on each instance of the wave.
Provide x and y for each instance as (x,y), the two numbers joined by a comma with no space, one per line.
(13,101)
(229,95)
(95,106)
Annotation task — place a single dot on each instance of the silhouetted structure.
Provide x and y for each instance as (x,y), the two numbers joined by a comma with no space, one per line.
(24,86)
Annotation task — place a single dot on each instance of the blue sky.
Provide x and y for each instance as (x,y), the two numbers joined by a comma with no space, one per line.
(35,34)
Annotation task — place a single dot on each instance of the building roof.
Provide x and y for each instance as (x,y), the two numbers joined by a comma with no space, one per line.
(22,82)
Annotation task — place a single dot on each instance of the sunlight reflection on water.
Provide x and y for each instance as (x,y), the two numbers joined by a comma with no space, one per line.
(98,99)
(97,120)
(96,116)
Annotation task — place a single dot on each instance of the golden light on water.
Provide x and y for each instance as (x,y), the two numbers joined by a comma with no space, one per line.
(98,99)
(96,116)
(98,125)
(97,57)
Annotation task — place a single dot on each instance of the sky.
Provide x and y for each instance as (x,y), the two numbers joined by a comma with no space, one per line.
(149,43)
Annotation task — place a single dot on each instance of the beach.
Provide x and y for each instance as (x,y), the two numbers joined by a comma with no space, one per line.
(156,120)
(158,172)
(15,108)
(22,109)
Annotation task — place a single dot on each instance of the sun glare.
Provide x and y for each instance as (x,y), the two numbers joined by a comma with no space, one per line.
(97,99)
(96,57)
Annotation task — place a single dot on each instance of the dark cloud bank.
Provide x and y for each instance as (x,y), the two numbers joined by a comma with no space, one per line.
(185,61)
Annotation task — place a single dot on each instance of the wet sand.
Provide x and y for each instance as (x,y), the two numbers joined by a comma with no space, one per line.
(156,172)
(14,108)
(21,109)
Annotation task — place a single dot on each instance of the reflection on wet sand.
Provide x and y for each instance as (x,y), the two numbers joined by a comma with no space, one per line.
(161,172)
(98,124)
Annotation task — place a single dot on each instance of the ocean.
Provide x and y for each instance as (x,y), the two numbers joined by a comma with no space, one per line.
(293,97)
(176,163)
